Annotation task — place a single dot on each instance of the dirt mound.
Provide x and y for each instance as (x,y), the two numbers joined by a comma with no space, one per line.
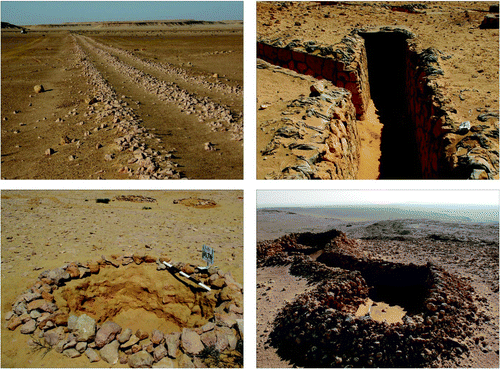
(137,287)
(324,327)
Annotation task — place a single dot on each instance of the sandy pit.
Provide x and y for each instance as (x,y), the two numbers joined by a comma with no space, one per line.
(380,311)
(125,293)
(120,103)
(43,231)
(428,68)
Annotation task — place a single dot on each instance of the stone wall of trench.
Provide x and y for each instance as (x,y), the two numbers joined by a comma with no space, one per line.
(343,64)
(435,130)
(317,136)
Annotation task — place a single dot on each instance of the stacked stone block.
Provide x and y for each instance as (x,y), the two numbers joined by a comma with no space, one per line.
(436,133)
(428,115)
(343,64)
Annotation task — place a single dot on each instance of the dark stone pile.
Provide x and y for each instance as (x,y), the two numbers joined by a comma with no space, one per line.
(217,343)
(282,250)
(320,329)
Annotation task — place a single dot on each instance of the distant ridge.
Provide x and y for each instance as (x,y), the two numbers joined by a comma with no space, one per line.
(8,25)
(118,24)
(381,213)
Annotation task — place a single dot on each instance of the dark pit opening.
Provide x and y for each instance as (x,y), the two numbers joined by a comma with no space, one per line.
(387,63)
(392,283)
(317,240)
(408,291)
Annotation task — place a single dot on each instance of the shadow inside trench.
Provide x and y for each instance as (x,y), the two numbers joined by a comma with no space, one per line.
(386,53)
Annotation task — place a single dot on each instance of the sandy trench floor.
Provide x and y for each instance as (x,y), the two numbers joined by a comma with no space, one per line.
(47,57)
(43,230)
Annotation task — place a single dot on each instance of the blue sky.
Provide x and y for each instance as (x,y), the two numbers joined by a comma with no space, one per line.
(45,12)
(436,198)
(481,205)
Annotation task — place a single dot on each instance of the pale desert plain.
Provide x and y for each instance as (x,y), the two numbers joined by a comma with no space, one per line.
(120,100)
(45,230)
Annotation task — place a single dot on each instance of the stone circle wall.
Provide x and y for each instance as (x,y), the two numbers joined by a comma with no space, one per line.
(219,341)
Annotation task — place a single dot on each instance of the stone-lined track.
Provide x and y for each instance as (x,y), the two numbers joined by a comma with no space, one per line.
(151,164)
(209,85)
(176,116)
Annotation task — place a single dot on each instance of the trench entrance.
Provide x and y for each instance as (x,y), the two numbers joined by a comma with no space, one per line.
(387,63)
(137,296)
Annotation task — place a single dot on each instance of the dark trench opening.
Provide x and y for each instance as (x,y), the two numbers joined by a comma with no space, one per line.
(317,240)
(387,63)
(395,284)
(408,291)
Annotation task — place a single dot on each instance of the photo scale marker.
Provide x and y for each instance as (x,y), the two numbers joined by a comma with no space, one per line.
(170,266)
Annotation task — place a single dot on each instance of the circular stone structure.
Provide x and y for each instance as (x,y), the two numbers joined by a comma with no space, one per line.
(196,202)
(335,325)
(133,309)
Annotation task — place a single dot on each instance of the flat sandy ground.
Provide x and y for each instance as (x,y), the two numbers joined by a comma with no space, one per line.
(43,230)
(47,57)
(470,78)
(468,250)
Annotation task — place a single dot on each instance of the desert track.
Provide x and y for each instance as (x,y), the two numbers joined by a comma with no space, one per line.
(152,120)
(179,112)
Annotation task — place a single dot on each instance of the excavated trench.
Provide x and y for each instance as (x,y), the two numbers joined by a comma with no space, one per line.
(387,62)
(384,65)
